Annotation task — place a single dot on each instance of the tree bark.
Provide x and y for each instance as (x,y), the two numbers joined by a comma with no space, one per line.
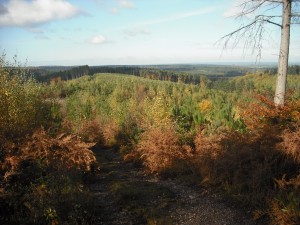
(283,53)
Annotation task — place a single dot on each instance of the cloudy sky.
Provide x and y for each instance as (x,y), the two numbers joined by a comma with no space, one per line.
(104,32)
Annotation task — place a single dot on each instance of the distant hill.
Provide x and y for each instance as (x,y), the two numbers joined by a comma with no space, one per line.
(188,73)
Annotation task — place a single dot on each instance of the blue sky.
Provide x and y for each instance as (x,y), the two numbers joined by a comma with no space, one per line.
(105,32)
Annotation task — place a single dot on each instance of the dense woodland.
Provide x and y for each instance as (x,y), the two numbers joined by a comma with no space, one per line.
(225,134)
(188,74)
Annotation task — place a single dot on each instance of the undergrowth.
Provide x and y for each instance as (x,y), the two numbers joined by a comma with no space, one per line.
(248,148)
(42,171)
(261,166)
(160,148)
(41,180)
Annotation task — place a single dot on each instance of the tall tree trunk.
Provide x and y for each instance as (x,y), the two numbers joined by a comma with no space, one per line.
(283,54)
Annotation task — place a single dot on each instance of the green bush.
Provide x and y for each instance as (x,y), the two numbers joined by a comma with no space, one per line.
(41,177)
(22,108)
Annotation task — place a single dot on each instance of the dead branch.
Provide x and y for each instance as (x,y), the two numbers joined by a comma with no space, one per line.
(252,33)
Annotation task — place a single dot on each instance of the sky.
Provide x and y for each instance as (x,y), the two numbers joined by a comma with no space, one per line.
(129,32)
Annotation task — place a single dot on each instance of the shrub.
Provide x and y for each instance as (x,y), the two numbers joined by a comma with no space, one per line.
(259,167)
(160,148)
(157,112)
(290,144)
(91,131)
(40,179)
(21,105)
(110,132)
(264,113)
(207,150)
(285,207)
(205,105)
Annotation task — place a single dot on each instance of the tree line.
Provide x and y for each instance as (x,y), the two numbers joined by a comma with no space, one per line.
(47,74)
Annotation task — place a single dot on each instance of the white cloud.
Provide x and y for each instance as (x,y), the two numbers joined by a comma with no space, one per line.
(126,4)
(99,39)
(122,4)
(136,31)
(114,10)
(238,6)
(235,9)
(28,13)
(232,12)
(3,9)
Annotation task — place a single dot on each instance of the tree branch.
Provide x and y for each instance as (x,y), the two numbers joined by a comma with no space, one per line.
(273,23)
(238,30)
(252,32)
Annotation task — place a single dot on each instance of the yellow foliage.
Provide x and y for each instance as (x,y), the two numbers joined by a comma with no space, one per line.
(20,103)
(157,112)
(205,105)
(237,113)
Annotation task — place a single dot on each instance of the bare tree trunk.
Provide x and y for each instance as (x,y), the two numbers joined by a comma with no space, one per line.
(283,54)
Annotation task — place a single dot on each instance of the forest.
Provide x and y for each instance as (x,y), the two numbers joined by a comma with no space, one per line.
(222,134)
(190,73)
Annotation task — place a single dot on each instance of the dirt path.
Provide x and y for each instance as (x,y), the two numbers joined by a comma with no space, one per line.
(125,195)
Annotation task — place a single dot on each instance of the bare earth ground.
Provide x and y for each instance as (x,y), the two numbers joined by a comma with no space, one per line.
(124,194)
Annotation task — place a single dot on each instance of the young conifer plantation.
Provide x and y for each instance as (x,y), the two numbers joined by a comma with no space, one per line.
(224,135)
(127,112)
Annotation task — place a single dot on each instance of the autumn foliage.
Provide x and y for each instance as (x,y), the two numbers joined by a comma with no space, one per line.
(159,148)
(259,167)
(216,135)
(41,171)
(63,151)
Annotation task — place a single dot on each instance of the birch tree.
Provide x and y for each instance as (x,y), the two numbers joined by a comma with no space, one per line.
(261,14)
